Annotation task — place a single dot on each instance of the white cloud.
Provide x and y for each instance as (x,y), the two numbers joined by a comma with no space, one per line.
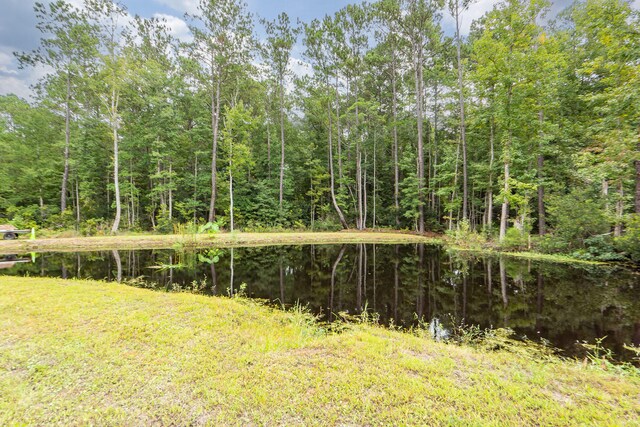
(476,10)
(182,6)
(177,27)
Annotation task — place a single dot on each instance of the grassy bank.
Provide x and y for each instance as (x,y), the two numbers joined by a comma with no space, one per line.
(227,240)
(158,241)
(81,352)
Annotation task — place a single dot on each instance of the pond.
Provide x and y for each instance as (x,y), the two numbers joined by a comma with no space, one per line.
(400,284)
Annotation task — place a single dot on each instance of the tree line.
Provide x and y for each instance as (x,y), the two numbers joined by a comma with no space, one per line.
(524,126)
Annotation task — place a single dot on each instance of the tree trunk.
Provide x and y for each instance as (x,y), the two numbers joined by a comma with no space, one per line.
(505,204)
(419,93)
(281,142)
(396,167)
(230,186)
(338,134)
(638,174)
(331,174)
(463,137)
(170,191)
(542,225)
(617,232)
(359,183)
(490,189)
(67,134)
(116,182)
(77,205)
(215,118)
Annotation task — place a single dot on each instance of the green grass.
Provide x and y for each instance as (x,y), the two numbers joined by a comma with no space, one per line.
(536,256)
(92,353)
(158,241)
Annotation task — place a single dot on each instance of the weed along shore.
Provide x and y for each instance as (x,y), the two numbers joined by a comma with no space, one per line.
(221,240)
(85,352)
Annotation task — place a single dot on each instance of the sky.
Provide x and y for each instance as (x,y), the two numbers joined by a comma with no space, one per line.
(18,26)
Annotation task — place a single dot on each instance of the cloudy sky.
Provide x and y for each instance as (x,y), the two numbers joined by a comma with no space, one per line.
(18,31)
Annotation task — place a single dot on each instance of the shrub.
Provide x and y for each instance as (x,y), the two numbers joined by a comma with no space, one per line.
(550,244)
(94,227)
(576,217)
(629,242)
(514,240)
(598,248)
(464,236)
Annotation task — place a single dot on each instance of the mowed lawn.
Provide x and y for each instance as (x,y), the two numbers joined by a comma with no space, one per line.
(92,353)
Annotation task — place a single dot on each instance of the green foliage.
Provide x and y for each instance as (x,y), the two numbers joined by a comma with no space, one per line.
(515,240)
(598,248)
(629,242)
(211,228)
(577,216)
(464,236)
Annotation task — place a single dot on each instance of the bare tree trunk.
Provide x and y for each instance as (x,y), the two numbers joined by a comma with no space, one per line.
(170,191)
(269,148)
(375,180)
(116,182)
(507,154)
(505,204)
(77,204)
(230,186)
(490,189)
(463,137)
(396,166)
(419,114)
(617,232)
(338,134)
(331,174)
(281,142)
(215,118)
(67,134)
(435,145)
(637,201)
(542,225)
(359,182)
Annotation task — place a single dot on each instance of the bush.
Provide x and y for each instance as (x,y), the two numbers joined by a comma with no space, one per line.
(464,236)
(598,248)
(326,224)
(550,244)
(164,224)
(576,217)
(629,242)
(95,227)
(515,240)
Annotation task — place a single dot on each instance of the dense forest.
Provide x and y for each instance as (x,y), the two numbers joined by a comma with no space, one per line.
(525,130)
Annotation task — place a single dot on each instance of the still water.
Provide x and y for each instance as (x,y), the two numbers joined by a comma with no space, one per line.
(398,283)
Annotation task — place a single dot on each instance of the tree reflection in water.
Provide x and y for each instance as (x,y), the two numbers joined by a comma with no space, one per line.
(400,284)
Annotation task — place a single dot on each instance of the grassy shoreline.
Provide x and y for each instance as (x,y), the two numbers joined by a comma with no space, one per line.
(242,239)
(226,240)
(85,352)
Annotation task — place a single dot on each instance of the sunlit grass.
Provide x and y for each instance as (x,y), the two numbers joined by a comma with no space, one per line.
(168,241)
(83,352)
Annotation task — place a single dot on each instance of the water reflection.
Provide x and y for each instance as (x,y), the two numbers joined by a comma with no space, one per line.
(400,284)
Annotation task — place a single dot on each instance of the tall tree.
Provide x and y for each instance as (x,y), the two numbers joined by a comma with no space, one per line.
(110,18)
(281,37)
(68,44)
(318,51)
(456,7)
(222,42)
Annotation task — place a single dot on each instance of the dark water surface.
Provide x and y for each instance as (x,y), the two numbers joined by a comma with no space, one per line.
(561,303)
